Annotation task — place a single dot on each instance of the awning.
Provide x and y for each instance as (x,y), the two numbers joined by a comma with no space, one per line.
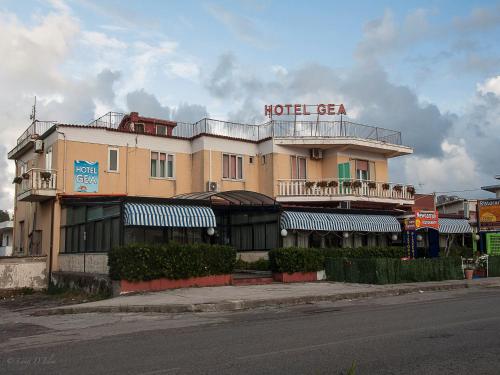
(166,215)
(332,222)
(450,226)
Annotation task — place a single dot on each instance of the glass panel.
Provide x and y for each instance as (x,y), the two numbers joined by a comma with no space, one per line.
(154,165)
(111,211)
(75,237)
(246,237)
(106,245)
(115,232)
(236,237)
(133,235)
(225,166)
(161,129)
(162,168)
(293,161)
(240,168)
(69,239)
(259,237)
(154,236)
(178,235)
(48,158)
(62,241)
(95,213)
(233,166)
(271,236)
(194,235)
(170,166)
(90,242)
(78,215)
(64,216)
(302,168)
(113,160)
(81,238)
(98,236)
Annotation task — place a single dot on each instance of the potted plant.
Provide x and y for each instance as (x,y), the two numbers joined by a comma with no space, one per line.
(356,184)
(309,184)
(347,184)
(469,272)
(26,175)
(397,188)
(386,186)
(372,185)
(17,180)
(322,184)
(333,184)
(410,190)
(45,175)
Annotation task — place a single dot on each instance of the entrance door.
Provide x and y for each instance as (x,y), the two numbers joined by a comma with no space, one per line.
(433,236)
(344,174)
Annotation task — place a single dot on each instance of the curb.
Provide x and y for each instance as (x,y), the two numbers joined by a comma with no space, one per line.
(236,305)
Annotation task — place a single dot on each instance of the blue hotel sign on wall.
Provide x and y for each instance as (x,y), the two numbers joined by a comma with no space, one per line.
(86,176)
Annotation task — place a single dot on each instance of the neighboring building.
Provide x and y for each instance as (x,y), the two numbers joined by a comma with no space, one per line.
(495,189)
(6,238)
(82,189)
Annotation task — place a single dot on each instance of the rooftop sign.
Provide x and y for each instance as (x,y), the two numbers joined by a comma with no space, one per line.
(304,109)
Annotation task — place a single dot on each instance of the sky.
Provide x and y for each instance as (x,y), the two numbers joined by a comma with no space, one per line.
(430,69)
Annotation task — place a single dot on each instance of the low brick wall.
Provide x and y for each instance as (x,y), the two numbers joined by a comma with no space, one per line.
(124,286)
(23,272)
(296,277)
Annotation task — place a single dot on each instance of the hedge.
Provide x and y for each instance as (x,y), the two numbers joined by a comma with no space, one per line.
(296,259)
(172,261)
(366,252)
(494,266)
(393,271)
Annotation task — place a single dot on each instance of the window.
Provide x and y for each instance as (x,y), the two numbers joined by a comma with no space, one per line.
(48,158)
(250,160)
(21,236)
(161,130)
(362,170)
(113,159)
(162,165)
(298,164)
(232,166)
(139,128)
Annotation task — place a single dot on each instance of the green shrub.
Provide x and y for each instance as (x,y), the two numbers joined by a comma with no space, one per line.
(393,271)
(172,261)
(366,252)
(460,251)
(294,259)
(258,265)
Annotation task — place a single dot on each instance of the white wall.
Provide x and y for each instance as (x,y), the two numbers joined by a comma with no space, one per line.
(29,272)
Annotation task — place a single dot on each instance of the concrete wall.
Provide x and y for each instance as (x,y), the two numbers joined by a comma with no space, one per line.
(87,263)
(29,272)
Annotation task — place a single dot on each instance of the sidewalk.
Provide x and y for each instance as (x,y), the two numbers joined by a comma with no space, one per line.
(231,298)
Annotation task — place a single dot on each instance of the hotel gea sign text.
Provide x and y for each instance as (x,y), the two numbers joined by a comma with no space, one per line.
(303,109)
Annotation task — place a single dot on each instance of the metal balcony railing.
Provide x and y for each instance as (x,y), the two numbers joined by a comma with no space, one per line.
(38,179)
(335,187)
(255,133)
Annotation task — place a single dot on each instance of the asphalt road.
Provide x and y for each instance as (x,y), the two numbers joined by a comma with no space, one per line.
(430,333)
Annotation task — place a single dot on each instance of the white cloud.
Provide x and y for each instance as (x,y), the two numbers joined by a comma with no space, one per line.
(183,69)
(101,40)
(455,169)
(490,85)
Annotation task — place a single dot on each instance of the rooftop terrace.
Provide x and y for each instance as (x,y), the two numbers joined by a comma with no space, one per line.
(282,129)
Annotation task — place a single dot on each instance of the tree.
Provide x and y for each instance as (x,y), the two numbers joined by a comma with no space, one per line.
(4,216)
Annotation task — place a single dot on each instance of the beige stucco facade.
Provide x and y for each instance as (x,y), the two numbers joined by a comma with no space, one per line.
(195,162)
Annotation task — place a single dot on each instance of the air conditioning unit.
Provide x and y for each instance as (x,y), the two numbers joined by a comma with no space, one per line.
(39,146)
(316,153)
(212,186)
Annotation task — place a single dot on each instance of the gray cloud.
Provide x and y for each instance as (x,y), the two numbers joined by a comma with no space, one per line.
(189,112)
(221,83)
(480,19)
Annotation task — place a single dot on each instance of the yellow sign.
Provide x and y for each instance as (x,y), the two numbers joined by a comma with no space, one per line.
(489,214)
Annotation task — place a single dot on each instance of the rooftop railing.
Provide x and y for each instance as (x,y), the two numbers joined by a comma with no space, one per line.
(271,129)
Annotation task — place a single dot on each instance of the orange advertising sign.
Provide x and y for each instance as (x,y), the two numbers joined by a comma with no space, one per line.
(426,219)
(489,214)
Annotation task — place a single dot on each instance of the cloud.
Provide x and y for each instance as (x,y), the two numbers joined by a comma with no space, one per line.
(101,40)
(183,69)
(479,19)
(221,81)
(243,27)
(491,85)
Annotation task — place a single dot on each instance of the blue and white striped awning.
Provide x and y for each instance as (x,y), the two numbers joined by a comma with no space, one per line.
(332,222)
(166,215)
(452,226)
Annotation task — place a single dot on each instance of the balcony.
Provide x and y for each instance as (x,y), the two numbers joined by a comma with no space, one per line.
(333,189)
(37,185)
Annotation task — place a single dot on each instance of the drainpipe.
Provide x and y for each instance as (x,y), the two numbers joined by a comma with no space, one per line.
(64,161)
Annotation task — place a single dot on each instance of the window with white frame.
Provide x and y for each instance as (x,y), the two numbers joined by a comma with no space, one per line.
(161,130)
(232,166)
(162,165)
(113,161)
(48,158)
(299,170)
